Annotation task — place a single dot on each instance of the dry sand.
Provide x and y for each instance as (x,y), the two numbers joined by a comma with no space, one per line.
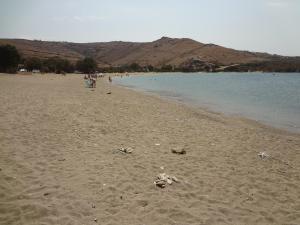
(59,163)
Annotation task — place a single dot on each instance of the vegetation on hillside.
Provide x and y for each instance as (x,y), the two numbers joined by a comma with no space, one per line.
(87,65)
(11,61)
(291,64)
(9,58)
(50,65)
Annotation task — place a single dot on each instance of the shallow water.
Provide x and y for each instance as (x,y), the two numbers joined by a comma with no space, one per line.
(271,98)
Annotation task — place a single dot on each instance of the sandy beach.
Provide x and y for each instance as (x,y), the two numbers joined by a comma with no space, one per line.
(59,162)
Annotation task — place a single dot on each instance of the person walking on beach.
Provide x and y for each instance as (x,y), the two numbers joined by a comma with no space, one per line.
(110,81)
(94,80)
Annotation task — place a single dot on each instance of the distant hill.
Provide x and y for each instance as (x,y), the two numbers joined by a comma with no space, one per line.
(176,52)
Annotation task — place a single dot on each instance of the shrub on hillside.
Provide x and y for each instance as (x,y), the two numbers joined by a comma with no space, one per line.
(9,58)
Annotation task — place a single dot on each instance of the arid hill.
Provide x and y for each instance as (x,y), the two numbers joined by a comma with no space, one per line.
(176,52)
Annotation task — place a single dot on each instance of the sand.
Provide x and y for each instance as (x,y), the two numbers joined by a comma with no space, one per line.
(59,163)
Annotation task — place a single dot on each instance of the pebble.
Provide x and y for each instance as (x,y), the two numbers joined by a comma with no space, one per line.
(163,179)
(126,150)
(178,151)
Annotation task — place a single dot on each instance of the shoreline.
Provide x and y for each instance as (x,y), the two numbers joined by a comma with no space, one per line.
(204,109)
(266,125)
(216,110)
(59,163)
(208,110)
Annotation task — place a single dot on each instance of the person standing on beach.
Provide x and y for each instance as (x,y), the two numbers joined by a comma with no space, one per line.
(86,81)
(110,81)
(94,80)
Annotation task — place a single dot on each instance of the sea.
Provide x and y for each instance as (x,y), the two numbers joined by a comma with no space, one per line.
(269,98)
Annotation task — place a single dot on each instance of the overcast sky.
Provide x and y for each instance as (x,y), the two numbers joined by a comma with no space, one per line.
(256,25)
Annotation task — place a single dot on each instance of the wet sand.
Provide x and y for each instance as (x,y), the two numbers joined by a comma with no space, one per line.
(59,163)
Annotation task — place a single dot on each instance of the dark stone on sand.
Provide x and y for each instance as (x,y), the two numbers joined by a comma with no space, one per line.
(178,151)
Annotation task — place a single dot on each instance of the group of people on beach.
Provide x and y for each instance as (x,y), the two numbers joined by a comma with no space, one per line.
(90,80)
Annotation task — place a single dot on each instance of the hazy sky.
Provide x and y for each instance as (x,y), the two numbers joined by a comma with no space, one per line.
(258,25)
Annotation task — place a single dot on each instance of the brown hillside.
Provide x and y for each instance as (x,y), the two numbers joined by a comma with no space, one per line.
(164,51)
(43,49)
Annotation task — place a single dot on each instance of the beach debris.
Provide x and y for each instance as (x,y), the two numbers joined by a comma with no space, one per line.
(93,206)
(263,155)
(178,151)
(163,179)
(250,197)
(162,168)
(157,144)
(47,193)
(95,219)
(126,150)
(160,183)
(61,160)
(108,93)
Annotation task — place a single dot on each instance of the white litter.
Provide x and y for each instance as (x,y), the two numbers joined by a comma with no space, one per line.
(263,155)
